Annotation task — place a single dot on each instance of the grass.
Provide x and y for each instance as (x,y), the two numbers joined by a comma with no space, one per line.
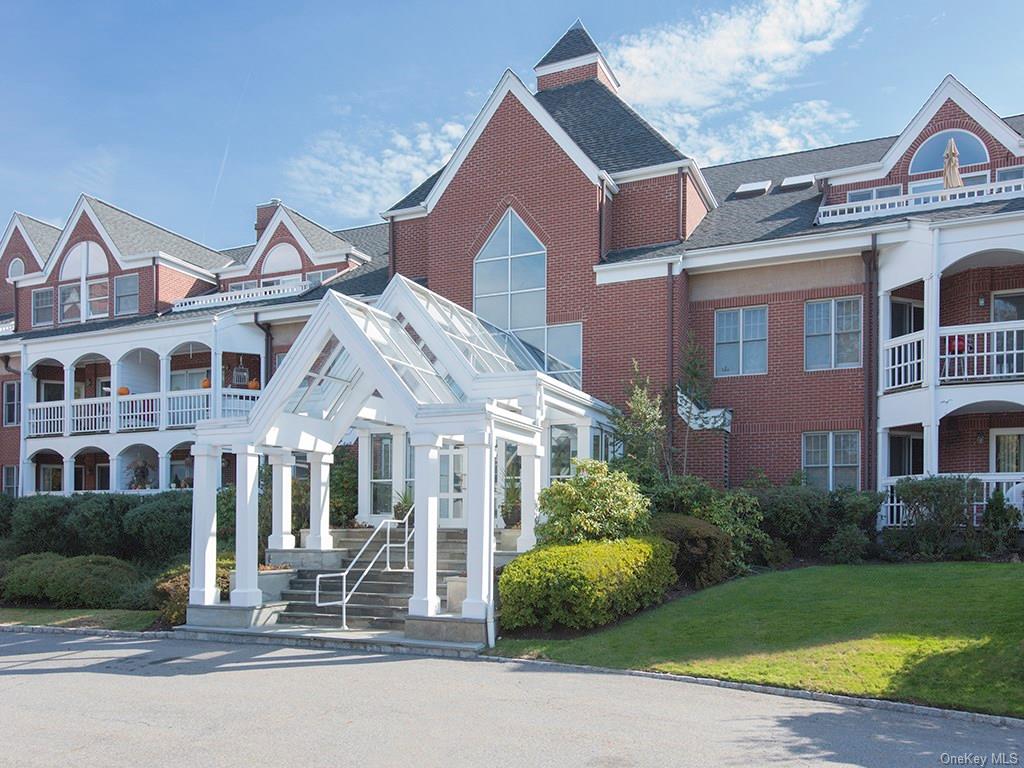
(78,617)
(944,634)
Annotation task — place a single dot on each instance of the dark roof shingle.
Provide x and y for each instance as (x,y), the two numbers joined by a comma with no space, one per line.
(574,43)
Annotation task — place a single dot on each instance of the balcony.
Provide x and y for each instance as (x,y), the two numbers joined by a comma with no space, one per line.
(176,409)
(921,201)
(966,354)
(893,513)
(226,298)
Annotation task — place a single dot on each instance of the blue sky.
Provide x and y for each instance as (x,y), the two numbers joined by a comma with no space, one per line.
(190,113)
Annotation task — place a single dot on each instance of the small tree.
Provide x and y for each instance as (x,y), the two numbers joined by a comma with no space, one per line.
(1000,524)
(695,383)
(939,513)
(640,429)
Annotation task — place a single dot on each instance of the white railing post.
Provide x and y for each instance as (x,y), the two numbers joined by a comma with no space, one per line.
(69,394)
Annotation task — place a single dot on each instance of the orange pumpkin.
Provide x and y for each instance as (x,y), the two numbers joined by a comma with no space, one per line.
(205,383)
(254,383)
(123,391)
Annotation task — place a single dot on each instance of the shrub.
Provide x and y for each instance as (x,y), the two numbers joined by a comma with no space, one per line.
(140,596)
(6,511)
(704,550)
(172,586)
(847,545)
(38,524)
(585,585)
(777,554)
(27,577)
(161,526)
(96,523)
(738,514)
(90,581)
(596,503)
(681,494)
(939,515)
(1000,525)
(795,515)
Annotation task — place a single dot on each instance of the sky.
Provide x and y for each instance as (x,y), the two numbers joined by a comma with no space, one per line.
(190,113)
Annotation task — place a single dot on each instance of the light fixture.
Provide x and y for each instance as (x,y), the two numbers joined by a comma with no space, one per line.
(981,301)
(980,437)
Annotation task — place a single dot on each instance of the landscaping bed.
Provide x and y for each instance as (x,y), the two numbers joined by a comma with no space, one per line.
(83,618)
(943,634)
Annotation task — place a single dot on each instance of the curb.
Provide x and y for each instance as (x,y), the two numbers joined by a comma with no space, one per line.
(1001,721)
(37,629)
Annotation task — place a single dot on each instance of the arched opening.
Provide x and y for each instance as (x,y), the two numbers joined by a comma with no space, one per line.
(139,468)
(930,156)
(181,466)
(48,471)
(92,469)
(189,385)
(45,399)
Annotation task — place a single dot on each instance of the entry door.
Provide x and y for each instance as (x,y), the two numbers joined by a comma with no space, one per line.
(451,500)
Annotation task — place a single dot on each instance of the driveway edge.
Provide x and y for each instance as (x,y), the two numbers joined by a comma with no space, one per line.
(128,634)
(1003,721)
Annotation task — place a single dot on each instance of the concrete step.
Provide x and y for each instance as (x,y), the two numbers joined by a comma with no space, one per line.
(369,585)
(354,609)
(354,622)
(392,599)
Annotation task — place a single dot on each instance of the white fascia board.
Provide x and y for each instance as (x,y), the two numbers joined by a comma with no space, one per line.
(642,269)
(402,214)
(173,262)
(949,88)
(579,61)
(974,220)
(15,224)
(665,169)
(81,208)
(509,83)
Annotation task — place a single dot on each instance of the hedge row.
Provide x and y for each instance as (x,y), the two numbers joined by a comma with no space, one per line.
(89,581)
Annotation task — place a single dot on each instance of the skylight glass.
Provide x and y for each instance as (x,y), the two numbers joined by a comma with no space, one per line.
(329,380)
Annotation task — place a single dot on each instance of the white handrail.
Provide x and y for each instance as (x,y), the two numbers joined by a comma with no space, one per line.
(916,201)
(236,297)
(346,593)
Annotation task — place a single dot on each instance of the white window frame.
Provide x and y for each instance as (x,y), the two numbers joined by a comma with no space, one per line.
(992,300)
(60,303)
(11,480)
(320,276)
(832,454)
(12,396)
(87,299)
(552,476)
(914,303)
(916,187)
(272,282)
(1014,168)
(874,193)
(45,469)
(832,335)
(988,157)
(118,296)
(913,437)
(387,468)
(742,341)
(52,382)
(992,435)
(100,381)
(40,292)
(206,373)
(243,285)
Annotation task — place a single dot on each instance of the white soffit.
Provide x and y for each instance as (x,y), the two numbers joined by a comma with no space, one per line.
(795,182)
(753,188)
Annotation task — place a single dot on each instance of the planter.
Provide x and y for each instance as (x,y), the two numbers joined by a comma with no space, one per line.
(455,586)
(271,583)
(507,538)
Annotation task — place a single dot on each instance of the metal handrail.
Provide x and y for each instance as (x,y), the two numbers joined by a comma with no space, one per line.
(346,593)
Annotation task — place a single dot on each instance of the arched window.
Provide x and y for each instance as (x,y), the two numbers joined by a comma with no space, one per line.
(283,257)
(510,292)
(930,155)
(16,268)
(88,296)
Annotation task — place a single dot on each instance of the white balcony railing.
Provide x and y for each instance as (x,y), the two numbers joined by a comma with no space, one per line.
(237,297)
(986,351)
(132,413)
(921,201)
(903,361)
(893,513)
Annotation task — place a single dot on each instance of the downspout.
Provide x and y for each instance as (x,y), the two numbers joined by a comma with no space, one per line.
(156,287)
(268,346)
(600,224)
(871,383)
(670,358)
(391,247)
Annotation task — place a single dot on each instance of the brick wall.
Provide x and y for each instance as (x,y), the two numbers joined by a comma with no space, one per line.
(574,75)
(959,446)
(17,248)
(283,235)
(646,212)
(959,293)
(173,284)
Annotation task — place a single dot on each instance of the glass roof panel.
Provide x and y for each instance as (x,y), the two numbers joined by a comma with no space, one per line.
(323,389)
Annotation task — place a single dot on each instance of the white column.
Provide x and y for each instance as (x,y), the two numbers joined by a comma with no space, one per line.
(931,449)
(320,501)
(116,470)
(203,560)
(584,445)
(424,600)
(884,330)
(397,464)
(68,476)
(545,467)
(163,481)
(247,464)
(165,385)
(69,394)
(281,467)
(931,330)
(365,499)
(531,459)
(883,473)
(28,478)
(479,524)
(115,382)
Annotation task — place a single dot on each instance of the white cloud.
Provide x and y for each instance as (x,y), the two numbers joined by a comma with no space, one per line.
(345,176)
(94,171)
(697,79)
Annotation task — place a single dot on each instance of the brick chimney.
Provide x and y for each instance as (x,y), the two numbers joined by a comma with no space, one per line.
(264,213)
(575,57)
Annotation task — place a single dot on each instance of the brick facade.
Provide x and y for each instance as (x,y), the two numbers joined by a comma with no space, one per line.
(574,75)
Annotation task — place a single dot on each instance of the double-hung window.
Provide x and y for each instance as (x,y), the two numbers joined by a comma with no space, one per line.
(1010,174)
(832,334)
(10,480)
(320,276)
(741,341)
(831,460)
(564,448)
(70,303)
(12,403)
(99,298)
(126,295)
(244,285)
(42,306)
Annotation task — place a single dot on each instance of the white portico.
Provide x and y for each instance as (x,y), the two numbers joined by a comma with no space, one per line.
(446,390)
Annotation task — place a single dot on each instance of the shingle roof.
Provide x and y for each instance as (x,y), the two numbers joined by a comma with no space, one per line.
(320,238)
(419,194)
(371,278)
(575,42)
(239,254)
(133,236)
(43,236)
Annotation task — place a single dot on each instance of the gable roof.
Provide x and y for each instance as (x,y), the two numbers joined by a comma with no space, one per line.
(41,235)
(133,236)
(321,239)
(574,43)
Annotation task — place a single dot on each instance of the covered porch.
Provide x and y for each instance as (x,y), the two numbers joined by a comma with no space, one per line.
(457,430)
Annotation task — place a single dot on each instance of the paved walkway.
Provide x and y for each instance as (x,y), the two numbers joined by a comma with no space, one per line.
(67,700)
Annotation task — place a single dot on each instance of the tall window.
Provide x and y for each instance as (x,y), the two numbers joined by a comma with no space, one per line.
(381,445)
(42,306)
(10,480)
(510,291)
(564,448)
(16,268)
(832,334)
(741,341)
(86,297)
(12,403)
(1008,451)
(126,295)
(831,460)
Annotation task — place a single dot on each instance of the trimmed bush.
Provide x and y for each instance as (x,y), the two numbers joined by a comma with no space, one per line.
(90,581)
(594,504)
(172,590)
(847,545)
(579,586)
(704,550)
(161,526)
(739,515)
(796,515)
(38,524)
(140,596)
(939,516)
(1000,525)
(6,512)
(96,522)
(28,576)
(682,494)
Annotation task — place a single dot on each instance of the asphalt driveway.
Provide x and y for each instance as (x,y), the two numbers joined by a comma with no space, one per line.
(74,700)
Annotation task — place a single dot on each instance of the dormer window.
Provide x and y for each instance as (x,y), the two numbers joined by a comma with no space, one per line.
(875,193)
(930,155)
(16,268)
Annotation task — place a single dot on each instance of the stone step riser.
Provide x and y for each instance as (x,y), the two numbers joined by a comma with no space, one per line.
(354,622)
(361,611)
(389,599)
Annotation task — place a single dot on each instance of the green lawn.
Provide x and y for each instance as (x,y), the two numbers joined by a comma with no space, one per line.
(78,617)
(945,634)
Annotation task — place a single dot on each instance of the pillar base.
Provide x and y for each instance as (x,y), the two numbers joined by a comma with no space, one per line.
(474,609)
(200,596)
(247,597)
(320,542)
(424,606)
(281,541)
(525,542)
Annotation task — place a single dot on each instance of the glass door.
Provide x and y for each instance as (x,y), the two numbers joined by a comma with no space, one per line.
(452,498)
